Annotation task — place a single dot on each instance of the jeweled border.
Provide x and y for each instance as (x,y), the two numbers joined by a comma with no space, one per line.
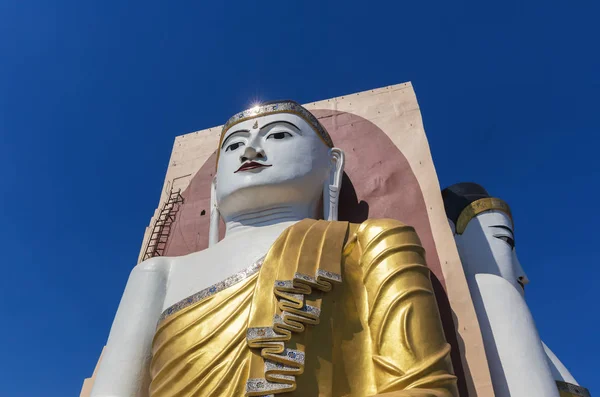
(213,289)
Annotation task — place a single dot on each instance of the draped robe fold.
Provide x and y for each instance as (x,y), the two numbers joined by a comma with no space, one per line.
(377,332)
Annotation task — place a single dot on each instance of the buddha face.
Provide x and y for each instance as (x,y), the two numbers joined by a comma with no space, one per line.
(488,246)
(270,161)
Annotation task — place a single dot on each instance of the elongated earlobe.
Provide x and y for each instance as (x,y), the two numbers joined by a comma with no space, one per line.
(331,190)
(452,226)
(213,233)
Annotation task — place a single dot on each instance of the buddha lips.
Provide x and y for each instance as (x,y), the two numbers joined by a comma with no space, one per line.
(250,165)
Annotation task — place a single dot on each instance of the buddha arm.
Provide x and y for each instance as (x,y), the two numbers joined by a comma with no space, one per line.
(410,353)
(124,369)
(559,371)
(513,347)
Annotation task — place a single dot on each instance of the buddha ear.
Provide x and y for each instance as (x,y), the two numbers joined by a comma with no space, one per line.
(452,226)
(331,190)
(213,231)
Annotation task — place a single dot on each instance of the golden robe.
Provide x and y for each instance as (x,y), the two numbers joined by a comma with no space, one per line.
(334,309)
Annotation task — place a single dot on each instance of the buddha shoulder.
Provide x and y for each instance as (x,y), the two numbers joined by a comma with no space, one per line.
(383,231)
(157,264)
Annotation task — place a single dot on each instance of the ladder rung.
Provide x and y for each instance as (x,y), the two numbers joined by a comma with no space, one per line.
(159,237)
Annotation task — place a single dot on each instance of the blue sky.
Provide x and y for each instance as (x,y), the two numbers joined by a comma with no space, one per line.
(92,95)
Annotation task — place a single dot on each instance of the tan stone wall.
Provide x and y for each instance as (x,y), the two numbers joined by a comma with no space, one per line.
(86,389)
(189,153)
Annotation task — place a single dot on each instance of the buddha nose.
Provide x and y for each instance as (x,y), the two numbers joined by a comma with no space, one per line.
(521,275)
(251,154)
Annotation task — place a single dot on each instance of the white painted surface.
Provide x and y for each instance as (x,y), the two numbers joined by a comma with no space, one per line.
(124,367)
(514,350)
(516,357)
(559,371)
(256,205)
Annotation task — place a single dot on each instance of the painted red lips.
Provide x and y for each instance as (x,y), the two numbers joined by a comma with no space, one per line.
(250,165)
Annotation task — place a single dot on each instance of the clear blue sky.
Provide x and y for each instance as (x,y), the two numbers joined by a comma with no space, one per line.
(92,95)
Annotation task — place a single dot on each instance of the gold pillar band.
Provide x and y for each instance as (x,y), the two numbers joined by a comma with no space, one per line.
(477,207)
(570,390)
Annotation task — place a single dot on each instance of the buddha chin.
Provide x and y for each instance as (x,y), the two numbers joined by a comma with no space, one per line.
(256,195)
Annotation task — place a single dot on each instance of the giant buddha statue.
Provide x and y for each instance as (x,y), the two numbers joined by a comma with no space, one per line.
(291,301)
(521,365)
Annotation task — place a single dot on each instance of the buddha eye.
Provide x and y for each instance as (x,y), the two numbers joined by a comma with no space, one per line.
(233,146)
(279,135)
(507,240)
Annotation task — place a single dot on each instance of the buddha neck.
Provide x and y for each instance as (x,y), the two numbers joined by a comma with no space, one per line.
(284,215)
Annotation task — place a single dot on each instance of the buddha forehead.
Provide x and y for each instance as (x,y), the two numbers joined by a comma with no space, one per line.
(491,218)
(488,226)
(260,123)
(285,109)
(281,141)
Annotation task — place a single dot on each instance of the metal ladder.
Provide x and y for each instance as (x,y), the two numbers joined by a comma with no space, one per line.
(162,226)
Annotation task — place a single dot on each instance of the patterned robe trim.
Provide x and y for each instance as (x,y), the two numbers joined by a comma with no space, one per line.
(212,290)
(283,364)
